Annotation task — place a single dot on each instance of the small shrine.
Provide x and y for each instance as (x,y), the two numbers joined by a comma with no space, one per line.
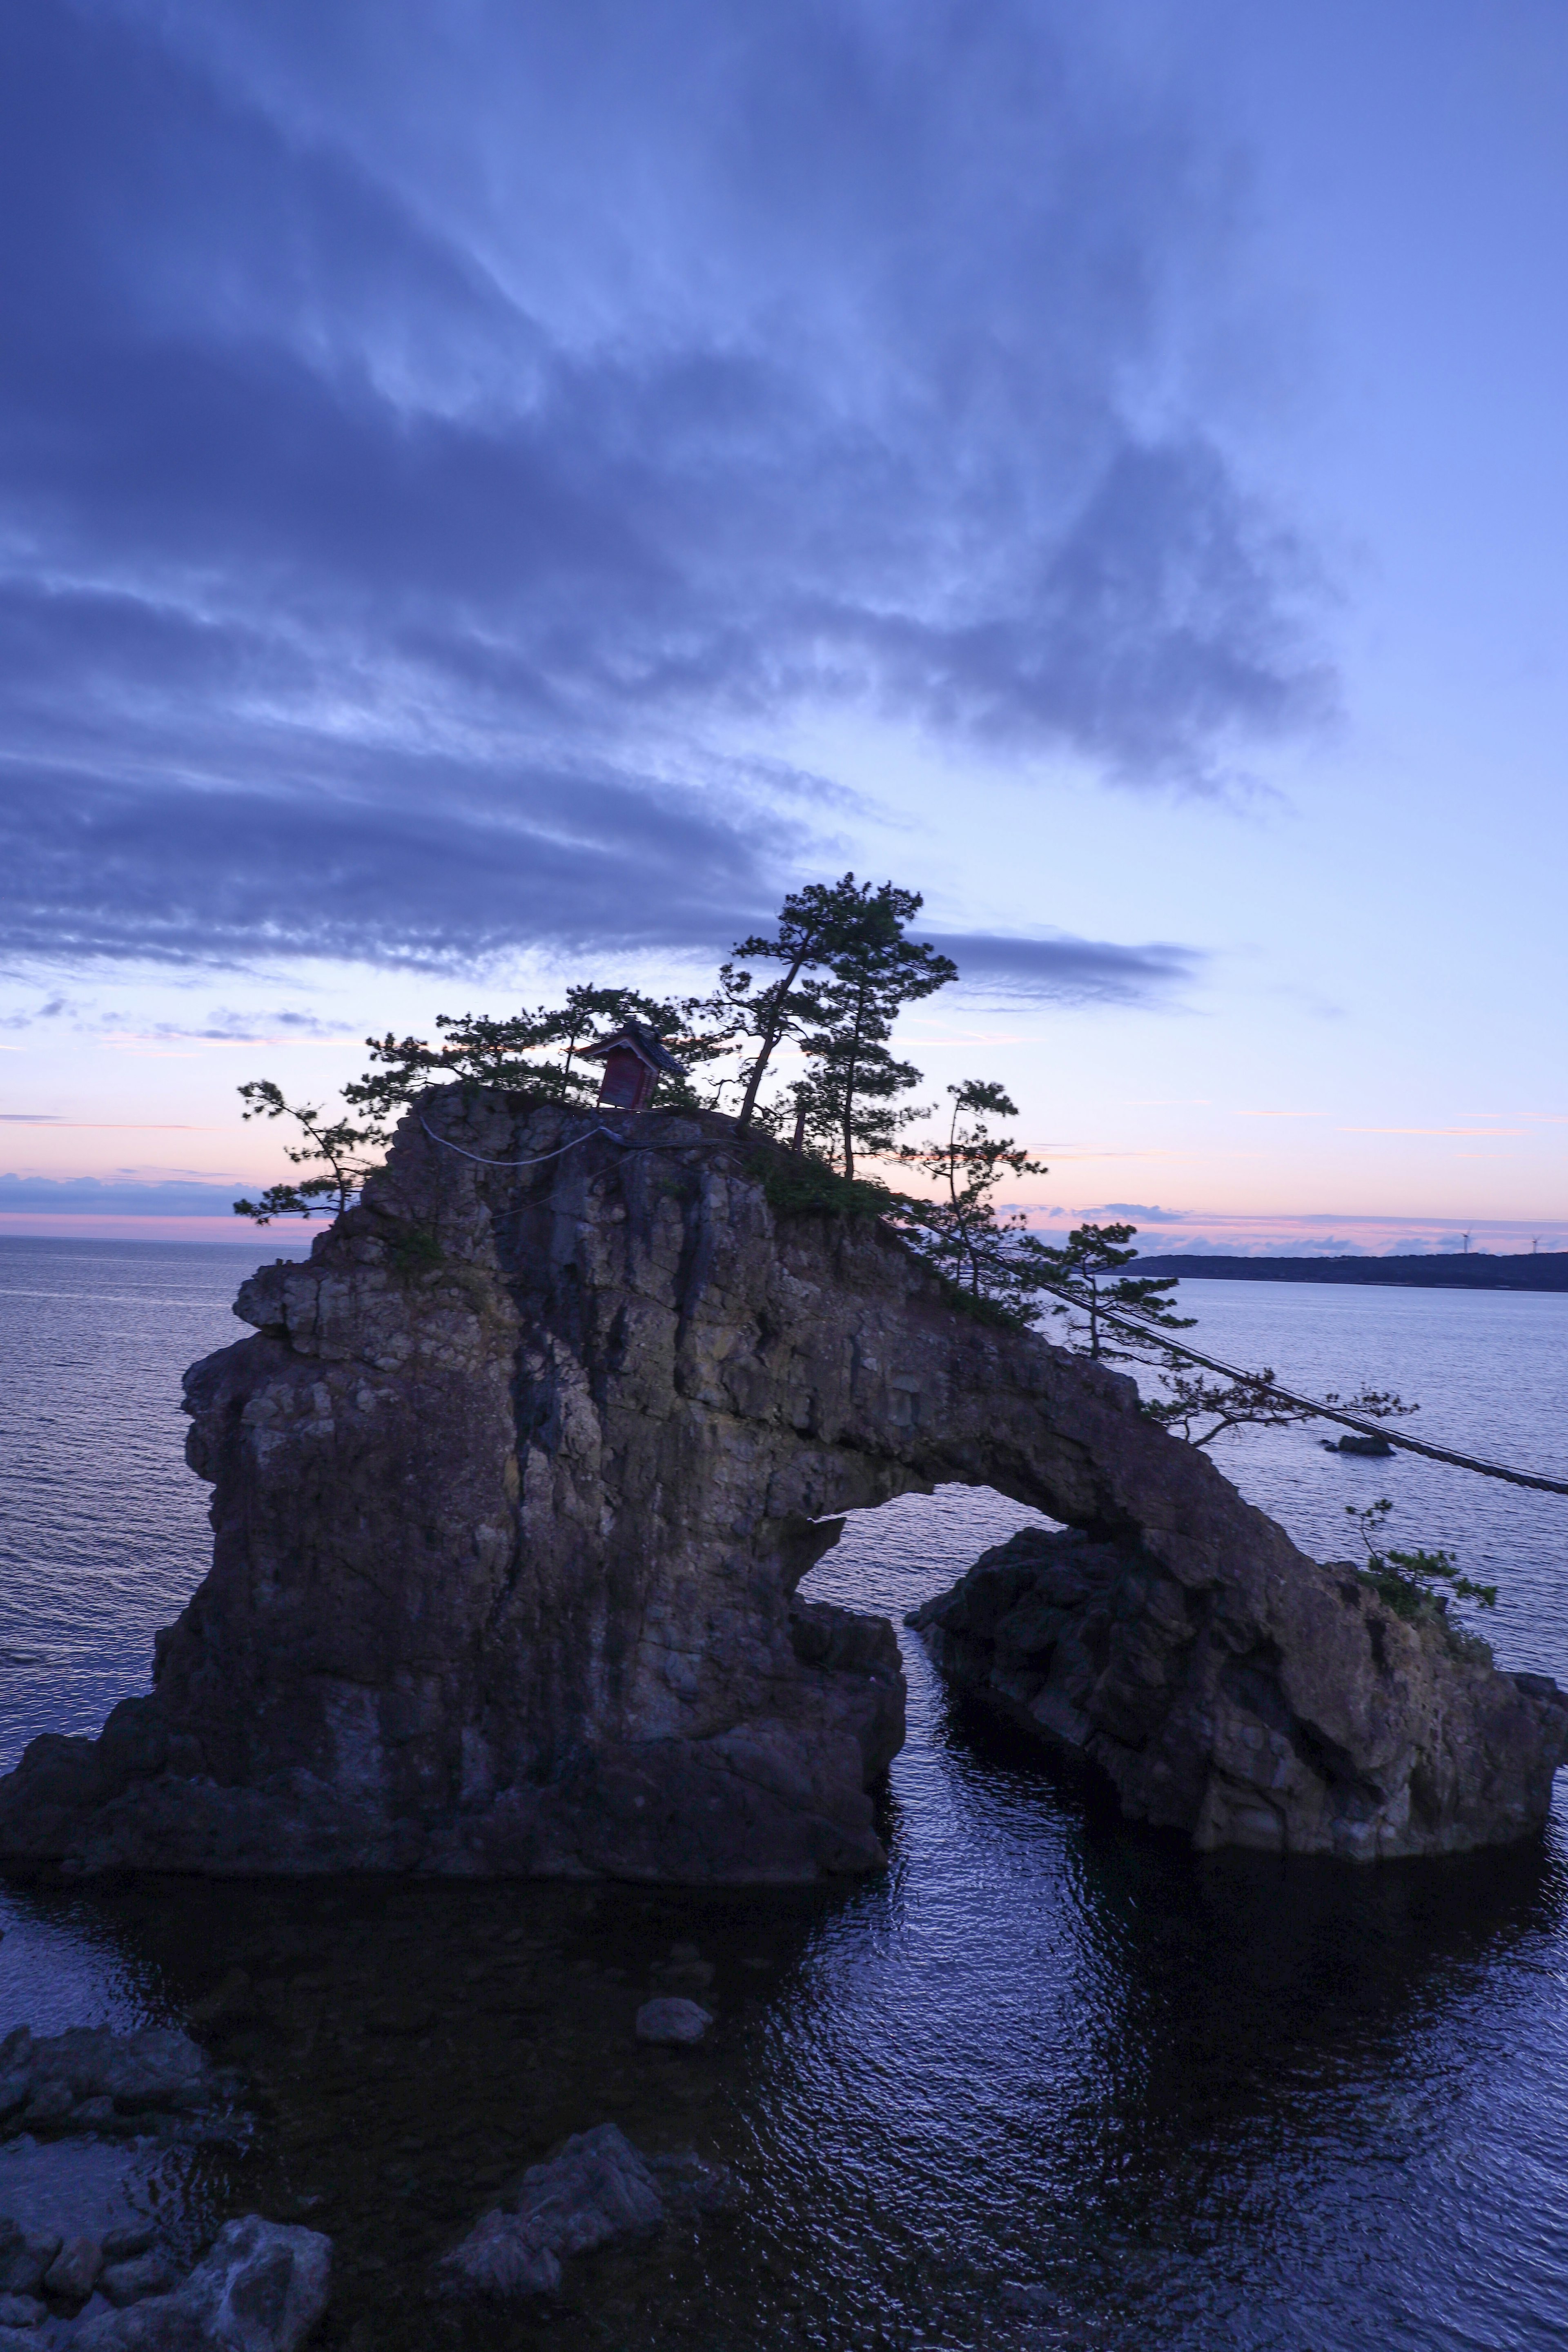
(634,1063)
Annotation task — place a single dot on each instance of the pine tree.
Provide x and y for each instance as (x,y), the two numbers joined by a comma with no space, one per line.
(813,924)
(1085,1273)
(961,1232)
(873,971)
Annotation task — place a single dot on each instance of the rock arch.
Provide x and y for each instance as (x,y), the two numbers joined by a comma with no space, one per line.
(514,1488)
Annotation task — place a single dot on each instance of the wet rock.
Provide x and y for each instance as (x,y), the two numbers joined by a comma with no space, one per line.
(133,2278)
(132,2238)
(597,2188)
(74,2269)
(1292,1712)
(24,2256)
(499,2259)
(89,2079)
(578,1390)
(50,2105)
(672,2021)
(262,2287)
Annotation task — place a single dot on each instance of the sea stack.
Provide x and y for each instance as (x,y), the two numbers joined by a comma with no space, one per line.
(516,1482)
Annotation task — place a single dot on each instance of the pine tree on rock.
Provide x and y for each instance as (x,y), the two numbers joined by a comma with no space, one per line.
(849,1096)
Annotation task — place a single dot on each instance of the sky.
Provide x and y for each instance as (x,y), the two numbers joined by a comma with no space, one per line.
(490,497)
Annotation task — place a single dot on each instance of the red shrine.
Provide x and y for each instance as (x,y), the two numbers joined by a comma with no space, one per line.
(634,1063)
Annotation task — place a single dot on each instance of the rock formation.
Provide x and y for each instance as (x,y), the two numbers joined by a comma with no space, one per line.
(1301,1717)
(514,1488)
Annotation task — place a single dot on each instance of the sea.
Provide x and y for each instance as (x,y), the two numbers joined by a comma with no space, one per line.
(1051,2080)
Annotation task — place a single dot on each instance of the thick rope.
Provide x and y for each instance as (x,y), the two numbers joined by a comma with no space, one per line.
(1327,1412)
(540,1158)
(691,1143)
(1124,1323)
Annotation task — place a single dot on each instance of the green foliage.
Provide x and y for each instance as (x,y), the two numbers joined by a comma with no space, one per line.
(1085,1274)
(1409,1580)
(537,1051)
(847,969)
(415,1252)
(798,1183)
(1193,1395)
(813,923)
(337,1150)
(984,1255)
(847,1101)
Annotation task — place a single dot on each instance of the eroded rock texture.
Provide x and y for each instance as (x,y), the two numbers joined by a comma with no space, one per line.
(1305,1718)
(515,1485)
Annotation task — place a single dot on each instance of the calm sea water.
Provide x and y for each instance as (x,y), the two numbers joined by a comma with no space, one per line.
(1185,2102)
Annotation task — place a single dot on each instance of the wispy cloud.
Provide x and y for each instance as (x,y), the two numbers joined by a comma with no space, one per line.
(1065,970)
(1141,1209)
(408,535)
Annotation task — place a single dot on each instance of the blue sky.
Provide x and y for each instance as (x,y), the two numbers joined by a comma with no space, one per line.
(496,496)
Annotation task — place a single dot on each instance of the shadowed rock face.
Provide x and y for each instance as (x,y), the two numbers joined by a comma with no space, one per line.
(1306,1719)
(515,1486)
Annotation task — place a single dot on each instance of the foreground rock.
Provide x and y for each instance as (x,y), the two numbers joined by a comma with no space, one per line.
(597,2188)
(126,2084)
(1296,1714)
(262,2287)
(513,1491)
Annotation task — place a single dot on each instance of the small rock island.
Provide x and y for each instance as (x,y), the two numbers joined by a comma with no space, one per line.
(515,1486)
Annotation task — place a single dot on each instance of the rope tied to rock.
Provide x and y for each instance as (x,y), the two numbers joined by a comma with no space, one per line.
(1122,1322)
(1328,1412)
(540,1157)
(687,1143)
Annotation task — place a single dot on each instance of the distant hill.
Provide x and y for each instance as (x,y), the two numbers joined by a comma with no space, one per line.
(1478,1270)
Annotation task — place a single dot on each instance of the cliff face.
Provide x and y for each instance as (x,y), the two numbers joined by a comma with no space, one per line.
(515,1486)
(1328,1725)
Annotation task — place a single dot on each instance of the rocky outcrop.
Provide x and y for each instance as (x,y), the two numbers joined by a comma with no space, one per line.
(514,1488)
(88,2079)
(596,2189)
(262,2286)
(1307,1717)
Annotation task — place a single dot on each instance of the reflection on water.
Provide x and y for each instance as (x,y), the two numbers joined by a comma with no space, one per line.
(1179,2102)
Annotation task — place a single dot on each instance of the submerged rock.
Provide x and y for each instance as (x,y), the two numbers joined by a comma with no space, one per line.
(89,2079)
(599,2187)
(514,1488)
(671,2020)
(1294,1713)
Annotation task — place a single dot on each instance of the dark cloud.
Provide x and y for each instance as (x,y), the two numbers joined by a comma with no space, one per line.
(426,448)
(1065,969)
(85,1196)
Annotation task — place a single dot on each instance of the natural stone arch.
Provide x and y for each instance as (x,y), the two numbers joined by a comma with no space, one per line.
(514,1488)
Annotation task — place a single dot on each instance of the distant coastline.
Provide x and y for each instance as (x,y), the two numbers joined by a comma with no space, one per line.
(1474,1270)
